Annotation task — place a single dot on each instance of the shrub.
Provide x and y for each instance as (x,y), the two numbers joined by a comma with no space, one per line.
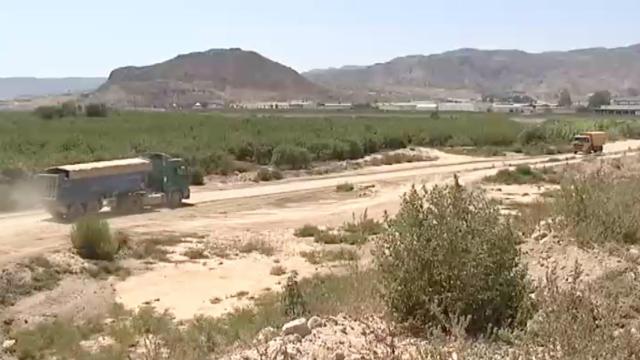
(268,174)
(197,176)
(259,246)
(49,112)
(278,270)
(596,209)
(217,162)
(345,187)
(523,174)
(448,255)
(291,157)
(96,110)
(92,239)
(307,231)
(69,108)
(317,257)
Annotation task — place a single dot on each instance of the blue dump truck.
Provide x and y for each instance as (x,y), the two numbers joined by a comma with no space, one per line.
(125,185)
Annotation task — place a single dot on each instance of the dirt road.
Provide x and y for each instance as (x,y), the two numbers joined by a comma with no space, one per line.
(281,205)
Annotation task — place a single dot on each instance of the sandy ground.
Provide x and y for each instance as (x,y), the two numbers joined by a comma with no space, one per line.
(269,212)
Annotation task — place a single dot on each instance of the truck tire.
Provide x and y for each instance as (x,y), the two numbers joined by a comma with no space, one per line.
(174,200)
(93,207)
(76,211)
(128,204)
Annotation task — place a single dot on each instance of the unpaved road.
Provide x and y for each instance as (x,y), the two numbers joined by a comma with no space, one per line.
(282,205)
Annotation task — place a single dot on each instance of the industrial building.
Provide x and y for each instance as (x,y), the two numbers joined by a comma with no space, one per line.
(621,106)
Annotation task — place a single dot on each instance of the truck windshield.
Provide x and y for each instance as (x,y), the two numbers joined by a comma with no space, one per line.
(581,139)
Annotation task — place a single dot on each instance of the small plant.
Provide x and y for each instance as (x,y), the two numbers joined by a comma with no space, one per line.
(278,270)
(328,237)
(363,225)
(92,239)
(345,187)
(307,231)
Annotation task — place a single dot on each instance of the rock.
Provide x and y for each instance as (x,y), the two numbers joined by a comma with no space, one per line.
(633,255)
(267,334)
(8,344)
(338,356)
(314,323)
(298,326)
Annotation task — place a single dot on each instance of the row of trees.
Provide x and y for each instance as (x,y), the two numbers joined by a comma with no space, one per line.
(71,108)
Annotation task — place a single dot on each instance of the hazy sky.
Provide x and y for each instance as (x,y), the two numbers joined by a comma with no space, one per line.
(92,37)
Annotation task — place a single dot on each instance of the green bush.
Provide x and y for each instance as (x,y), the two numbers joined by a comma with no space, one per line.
(449,255)
(92,238)
(291,157)
(597,209)
(197,176)
(49,112)
(96,110)
(217,162)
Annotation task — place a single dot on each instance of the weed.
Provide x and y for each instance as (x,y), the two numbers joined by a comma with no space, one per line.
(530,215)
(92,239)
(363,225)
(307,231)
(293,303)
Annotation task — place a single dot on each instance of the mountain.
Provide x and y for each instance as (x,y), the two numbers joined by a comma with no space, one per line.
(211,76)
(26,87)
(472,73)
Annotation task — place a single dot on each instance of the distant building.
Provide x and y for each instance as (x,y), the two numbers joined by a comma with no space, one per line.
(336,106)
(512,108)
(621,106)
(457,106)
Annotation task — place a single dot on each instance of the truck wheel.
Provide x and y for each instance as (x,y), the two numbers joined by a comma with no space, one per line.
(76,211)
(94,207)
(174,200)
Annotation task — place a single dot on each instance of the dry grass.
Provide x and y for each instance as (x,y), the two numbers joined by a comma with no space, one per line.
(317,257)
(154,248)
(37,274)
(257,246)
(196,253)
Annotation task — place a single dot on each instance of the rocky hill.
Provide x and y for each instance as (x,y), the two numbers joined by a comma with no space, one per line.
(471,72)
(209,76)
(27,87)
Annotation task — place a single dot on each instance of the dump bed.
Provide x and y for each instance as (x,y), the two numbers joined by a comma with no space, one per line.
(598,138)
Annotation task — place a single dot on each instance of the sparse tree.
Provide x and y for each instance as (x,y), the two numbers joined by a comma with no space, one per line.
(565,99)
(599,98)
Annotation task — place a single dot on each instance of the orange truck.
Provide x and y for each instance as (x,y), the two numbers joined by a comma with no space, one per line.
(589,142)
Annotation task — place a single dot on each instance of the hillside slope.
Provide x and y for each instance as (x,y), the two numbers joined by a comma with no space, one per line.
(214,75)
(471,72)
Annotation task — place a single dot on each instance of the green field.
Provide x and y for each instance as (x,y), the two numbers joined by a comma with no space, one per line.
(213,141)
